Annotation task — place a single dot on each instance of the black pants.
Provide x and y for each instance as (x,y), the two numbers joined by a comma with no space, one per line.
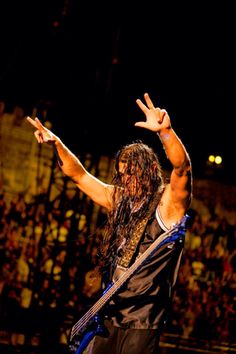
(125,341)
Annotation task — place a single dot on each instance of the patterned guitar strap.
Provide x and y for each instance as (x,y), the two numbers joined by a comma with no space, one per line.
(131,246)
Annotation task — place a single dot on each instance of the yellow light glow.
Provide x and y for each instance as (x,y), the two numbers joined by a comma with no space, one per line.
(218,160)
(211,158)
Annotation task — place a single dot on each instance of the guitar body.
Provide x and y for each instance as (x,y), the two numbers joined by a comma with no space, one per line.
(95,327)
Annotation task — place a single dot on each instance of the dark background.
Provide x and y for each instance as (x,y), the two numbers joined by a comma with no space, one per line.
(87,62)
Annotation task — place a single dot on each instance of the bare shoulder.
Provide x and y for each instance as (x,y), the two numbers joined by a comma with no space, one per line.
(169,211)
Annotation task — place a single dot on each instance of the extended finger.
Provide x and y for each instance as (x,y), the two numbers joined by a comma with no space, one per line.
(39,124)
(31,121)
(140,124)
(35,122)
(148,101)
(141,105)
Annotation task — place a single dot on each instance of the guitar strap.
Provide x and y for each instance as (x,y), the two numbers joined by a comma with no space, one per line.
(132,244)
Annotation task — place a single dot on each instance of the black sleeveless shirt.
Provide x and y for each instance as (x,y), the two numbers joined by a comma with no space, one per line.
(144,300)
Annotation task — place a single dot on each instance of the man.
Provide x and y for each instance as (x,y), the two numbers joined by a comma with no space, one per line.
(138,199)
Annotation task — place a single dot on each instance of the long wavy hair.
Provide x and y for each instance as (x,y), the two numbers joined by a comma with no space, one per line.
(141,164)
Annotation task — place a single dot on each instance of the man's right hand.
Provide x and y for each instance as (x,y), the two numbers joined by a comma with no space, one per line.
(42,134)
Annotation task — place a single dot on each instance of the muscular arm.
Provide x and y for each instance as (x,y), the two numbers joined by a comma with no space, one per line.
(180,179)
(72,167)
(177,196)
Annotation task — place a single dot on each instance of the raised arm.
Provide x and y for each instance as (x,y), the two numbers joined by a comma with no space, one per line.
(71,166)
(178,192)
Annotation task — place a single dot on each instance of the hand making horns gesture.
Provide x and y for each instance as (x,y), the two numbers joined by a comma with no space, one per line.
(156,118)
(42,134)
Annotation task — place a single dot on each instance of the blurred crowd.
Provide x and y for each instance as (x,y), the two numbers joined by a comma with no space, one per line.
(49,275)
(204,304)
